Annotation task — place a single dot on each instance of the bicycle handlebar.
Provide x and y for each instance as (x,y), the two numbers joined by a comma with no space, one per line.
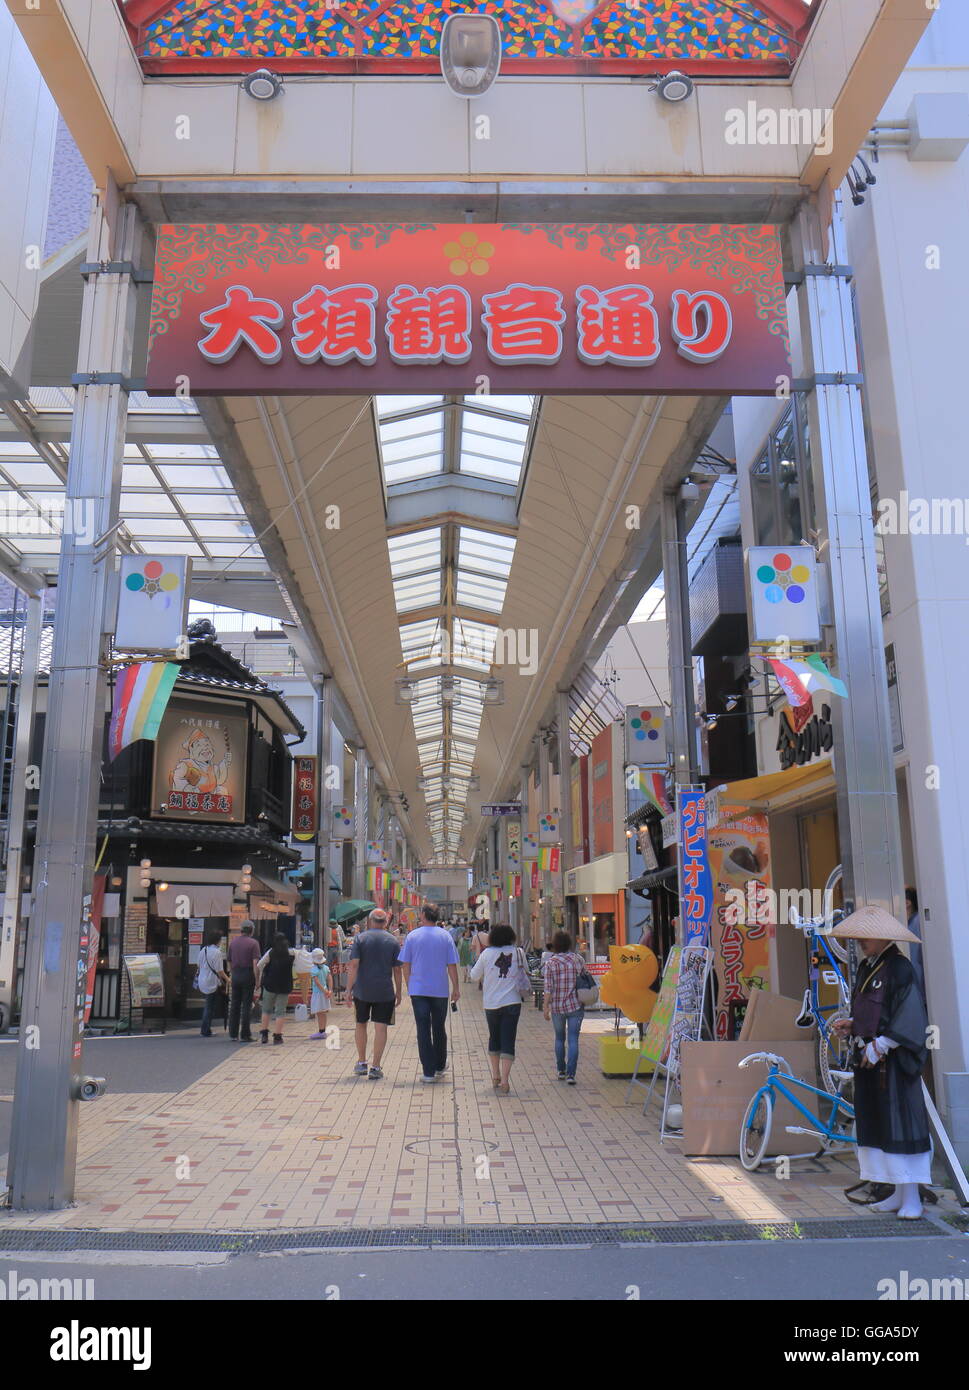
(771,1058)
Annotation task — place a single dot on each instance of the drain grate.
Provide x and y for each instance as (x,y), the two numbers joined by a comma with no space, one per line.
(461,1237)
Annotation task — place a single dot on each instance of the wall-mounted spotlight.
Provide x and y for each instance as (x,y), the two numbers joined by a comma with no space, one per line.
(675,86)
(470,53)
(262,85)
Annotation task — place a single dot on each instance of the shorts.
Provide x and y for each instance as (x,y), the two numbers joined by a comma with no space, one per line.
(375,1011)
(274,1004)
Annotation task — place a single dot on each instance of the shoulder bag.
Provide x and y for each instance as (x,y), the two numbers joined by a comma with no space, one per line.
(586,989)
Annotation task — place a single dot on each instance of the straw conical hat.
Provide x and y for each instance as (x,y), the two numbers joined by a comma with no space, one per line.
(873,924)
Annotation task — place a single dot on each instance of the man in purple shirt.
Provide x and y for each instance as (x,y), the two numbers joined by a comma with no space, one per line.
(430,961)
(243,953)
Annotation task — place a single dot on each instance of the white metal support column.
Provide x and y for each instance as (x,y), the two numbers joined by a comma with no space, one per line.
(26,701)
(525,935)
(325,714)
(864,761)
(564,720)
(360,824)
(677,595)
(43,1148)
(545,805)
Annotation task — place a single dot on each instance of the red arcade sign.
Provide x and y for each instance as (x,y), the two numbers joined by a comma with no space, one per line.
(469,308)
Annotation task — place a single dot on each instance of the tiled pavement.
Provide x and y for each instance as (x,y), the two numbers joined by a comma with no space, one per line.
(278,1138)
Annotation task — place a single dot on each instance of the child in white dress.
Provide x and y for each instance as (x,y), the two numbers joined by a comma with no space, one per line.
(322,992)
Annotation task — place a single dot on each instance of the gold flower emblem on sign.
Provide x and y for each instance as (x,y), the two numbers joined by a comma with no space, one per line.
(468,255)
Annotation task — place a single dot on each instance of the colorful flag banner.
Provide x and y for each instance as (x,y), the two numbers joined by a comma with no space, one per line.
(814,675)
(549,858)
(141,696)
(789,682)
(653,787)
(514,884)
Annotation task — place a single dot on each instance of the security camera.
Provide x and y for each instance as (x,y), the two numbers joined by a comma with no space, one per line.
(88,1087)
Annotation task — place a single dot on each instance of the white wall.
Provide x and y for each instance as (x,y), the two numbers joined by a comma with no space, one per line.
(915,361)
(28,123)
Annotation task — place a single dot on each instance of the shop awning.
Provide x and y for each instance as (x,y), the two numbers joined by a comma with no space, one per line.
(775,789)
(647,881)
(205,899)
(605,875)
(286,893)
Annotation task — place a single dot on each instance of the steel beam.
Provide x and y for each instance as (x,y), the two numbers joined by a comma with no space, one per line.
(868,824)
(43,1149)
(677,592)
(26,700)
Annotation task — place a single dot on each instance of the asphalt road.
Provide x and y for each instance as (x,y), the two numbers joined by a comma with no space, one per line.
(818,1271)
(157,1062)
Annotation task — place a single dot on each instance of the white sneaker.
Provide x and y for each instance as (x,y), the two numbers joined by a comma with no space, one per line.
(428,1080)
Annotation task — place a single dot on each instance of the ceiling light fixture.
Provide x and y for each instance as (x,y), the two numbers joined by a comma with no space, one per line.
(675,87)
(470,53)
(262,85)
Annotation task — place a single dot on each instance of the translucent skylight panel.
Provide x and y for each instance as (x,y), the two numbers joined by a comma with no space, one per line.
(139,475)
(474,591)
(182,476)
(157,529)
(516,405)
(420,591)
(24,473)
(394,405)
(487,550)
(414,550)
(147,504)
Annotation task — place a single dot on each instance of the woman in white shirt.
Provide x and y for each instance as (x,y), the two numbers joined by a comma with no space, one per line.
(498,968)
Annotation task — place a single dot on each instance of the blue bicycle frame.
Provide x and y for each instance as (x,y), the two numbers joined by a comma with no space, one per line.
(817,1008)
(775,1082)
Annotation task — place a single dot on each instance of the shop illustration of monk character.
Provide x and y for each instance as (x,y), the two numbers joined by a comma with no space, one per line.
(200,771)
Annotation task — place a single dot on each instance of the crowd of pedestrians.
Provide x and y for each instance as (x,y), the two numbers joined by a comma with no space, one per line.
(380,962)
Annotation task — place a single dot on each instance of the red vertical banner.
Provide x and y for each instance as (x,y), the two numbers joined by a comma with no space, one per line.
(534,873)
(94,940)
(305,798)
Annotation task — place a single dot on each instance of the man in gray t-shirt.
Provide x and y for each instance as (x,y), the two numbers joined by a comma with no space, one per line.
(373,987)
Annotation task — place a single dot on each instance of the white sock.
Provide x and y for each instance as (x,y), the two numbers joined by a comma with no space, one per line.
(911,1206)
(891,1203)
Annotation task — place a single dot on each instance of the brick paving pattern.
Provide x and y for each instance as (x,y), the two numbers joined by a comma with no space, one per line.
(279,1138)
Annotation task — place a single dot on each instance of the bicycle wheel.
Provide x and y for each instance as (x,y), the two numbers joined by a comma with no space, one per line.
(755,1129)
(838,949)
(833,1055)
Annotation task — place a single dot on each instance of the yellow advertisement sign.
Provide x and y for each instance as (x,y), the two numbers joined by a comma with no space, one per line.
(742,922)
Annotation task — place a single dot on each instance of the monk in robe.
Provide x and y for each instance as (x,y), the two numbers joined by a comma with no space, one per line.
(888,1031)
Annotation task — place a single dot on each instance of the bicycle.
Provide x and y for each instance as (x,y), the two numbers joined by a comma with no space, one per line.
(755,1128)
(827,957)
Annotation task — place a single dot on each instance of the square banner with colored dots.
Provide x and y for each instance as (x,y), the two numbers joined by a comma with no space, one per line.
(152,603)
(645,736)
(341,823)
(783,593)
(548,828)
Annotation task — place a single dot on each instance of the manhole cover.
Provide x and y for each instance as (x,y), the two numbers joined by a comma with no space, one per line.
(449,1148)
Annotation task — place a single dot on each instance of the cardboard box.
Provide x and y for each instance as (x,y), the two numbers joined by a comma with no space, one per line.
(716,1094)
(772,1016)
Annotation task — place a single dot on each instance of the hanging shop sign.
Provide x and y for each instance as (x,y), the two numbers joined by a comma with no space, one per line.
(813,740)
(513,846)
(696,885)
(645,736)
(742,926)
(152,603)
(502,808)
(783,587)
(200,763)
(543,307)
(305,808)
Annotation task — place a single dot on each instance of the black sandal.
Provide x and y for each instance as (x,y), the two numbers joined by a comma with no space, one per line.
(876,1192)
